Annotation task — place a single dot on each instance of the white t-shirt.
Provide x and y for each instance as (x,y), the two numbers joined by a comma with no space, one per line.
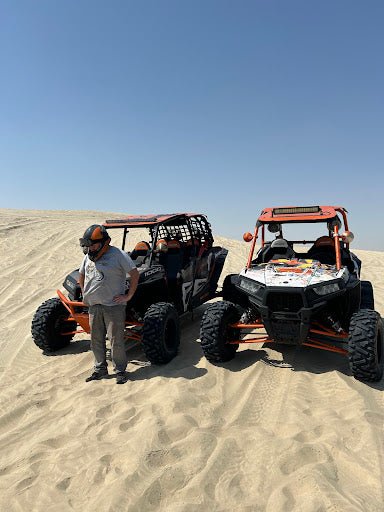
(106,277)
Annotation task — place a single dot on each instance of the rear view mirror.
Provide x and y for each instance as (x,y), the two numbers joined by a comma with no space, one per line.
(247,237)
(347,237)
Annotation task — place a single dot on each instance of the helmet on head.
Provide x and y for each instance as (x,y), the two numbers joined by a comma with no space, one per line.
(95,234)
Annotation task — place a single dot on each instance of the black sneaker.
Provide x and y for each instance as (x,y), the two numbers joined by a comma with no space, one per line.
(121,378)
(97,375)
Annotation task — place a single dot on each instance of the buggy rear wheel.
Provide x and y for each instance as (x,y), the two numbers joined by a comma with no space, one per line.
(365,345)
(161,333)
(50,325)
(215,332)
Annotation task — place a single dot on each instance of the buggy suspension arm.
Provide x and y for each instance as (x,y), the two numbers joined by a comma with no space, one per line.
(310,341)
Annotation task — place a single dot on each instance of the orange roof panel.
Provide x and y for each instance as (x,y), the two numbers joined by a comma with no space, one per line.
(283,214)
(144,220)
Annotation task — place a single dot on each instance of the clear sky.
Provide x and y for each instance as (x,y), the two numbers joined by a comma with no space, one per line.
(215,106)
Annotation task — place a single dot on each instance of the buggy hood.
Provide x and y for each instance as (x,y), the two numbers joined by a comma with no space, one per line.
(294,273)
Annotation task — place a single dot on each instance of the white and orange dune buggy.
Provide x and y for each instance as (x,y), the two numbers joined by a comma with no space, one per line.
(313,298)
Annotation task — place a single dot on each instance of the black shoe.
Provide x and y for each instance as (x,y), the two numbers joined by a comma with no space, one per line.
(121,378)
(97,375)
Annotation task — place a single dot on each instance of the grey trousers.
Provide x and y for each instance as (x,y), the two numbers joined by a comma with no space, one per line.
(109,320)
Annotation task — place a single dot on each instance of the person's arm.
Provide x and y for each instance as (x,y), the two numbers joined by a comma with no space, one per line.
(134,281)
(81,279)
(81,282)
(134,275)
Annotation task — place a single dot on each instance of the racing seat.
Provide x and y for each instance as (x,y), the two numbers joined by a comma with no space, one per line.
(279,249)
(323,250)
(173,261)
(139,253)
(173,264)
(192,247)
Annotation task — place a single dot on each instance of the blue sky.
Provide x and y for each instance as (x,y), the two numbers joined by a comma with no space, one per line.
(222,107)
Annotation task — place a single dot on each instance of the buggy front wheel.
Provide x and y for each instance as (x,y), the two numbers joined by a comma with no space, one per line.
(365,345)
(51,330)
(215,332)
(161,333)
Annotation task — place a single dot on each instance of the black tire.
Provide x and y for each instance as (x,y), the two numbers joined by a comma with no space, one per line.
(49,326)
(215,333)
(367,300)
(161,333)
(365,345)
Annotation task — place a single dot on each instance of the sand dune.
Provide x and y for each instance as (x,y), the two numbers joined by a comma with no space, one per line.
(273,430)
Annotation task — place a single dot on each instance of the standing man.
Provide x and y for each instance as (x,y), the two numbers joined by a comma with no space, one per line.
(102,279)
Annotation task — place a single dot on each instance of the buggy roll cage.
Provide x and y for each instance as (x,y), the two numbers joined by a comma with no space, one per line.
(301,214)
(182,226)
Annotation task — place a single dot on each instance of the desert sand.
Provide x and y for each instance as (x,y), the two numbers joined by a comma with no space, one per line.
(272,430)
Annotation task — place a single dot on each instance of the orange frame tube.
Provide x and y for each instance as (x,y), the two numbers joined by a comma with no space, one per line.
(252,248)
(325,331)
(83,318)
(337,247)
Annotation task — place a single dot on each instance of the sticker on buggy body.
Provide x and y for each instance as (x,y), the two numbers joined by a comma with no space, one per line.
(294,273)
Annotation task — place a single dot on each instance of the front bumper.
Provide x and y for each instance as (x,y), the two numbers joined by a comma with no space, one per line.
(287,313)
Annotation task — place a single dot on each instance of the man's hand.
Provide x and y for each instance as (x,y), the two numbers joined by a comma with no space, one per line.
(121,299)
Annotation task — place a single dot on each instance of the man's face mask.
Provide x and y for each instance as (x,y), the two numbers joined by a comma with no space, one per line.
(86,245)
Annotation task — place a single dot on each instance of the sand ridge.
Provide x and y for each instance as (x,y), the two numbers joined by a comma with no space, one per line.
(276,429)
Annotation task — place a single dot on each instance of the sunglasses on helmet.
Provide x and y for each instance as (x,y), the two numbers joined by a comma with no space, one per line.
(86,242)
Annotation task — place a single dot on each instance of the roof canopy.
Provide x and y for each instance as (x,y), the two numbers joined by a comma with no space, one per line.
(145,221)
(286,214)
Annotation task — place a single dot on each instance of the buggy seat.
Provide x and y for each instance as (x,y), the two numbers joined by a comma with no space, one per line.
(139,253)
(170,255)
(279,249)
(323,250)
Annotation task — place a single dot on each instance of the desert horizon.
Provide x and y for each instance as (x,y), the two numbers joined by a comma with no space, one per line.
(275,429)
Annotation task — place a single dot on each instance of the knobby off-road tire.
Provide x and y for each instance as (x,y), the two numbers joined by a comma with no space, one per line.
(215,332)
(49,326)
(367,300)
(161,333)
(365,345)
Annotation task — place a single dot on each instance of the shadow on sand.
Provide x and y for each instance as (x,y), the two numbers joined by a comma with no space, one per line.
(295,358)
(183,365)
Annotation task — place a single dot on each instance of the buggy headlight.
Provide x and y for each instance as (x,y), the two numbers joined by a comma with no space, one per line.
(249,286)
(325,289)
